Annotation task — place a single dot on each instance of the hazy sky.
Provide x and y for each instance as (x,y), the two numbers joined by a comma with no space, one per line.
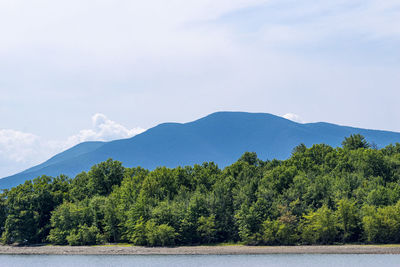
(72,71)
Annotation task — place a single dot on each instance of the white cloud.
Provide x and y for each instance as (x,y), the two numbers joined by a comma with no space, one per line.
(16,145)
(293,117)
(20,150)
(103,129)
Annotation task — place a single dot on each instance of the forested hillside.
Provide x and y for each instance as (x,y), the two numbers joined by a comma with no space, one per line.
(320,195)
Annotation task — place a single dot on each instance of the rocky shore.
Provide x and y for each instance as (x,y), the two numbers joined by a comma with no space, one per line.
(197,250)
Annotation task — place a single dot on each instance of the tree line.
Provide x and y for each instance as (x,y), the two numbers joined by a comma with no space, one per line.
(320,195)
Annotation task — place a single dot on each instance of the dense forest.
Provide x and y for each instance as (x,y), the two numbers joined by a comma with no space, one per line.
(320,195)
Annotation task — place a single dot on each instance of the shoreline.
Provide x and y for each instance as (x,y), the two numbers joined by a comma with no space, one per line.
(197,250)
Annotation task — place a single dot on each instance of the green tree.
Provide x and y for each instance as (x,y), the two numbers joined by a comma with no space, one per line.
(138,233)
(355,141)
(69,217)
(29,206)
(160,235)
(84,236)
(105,175)
(206,228)
(319,227)
(348,218)
(382,225)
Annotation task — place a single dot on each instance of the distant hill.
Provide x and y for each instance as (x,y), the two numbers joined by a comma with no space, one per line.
(221,137)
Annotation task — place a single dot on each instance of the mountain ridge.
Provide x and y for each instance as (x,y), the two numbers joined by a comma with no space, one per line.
(221,137)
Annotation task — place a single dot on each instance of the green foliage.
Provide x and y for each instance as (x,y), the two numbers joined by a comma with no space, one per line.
(250,158)
(3,212)
(85,235)
(282,231)
(382,225)
(29,207)
(79,188)
(355,141)
(138,234)
(320,195)
(105,175)
(206,228)
(67,218)
(160,235)
(319,227)
(348,219)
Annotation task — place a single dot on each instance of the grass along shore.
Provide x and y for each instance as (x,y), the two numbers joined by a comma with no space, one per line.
(124,249)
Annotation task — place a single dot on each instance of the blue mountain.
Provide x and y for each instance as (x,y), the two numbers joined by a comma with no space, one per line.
(221,137)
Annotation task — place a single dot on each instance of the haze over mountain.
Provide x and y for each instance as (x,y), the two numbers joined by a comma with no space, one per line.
(221,137)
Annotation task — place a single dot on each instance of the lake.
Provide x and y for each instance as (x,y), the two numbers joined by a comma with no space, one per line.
(307,260)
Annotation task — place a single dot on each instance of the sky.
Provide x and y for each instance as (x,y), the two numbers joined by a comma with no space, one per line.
(74,71)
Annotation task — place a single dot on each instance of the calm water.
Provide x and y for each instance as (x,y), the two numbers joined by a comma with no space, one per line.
(201,260)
